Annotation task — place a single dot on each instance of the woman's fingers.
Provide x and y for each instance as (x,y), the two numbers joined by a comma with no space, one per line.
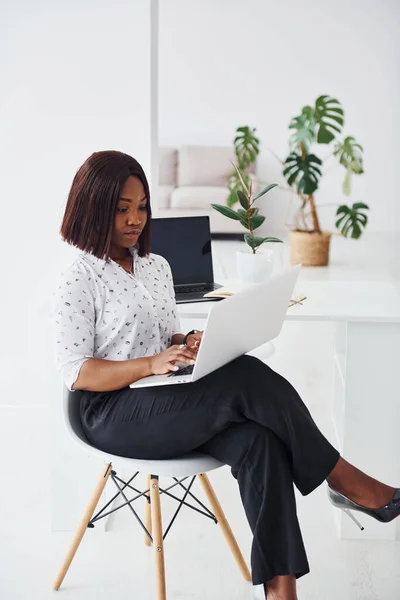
(187,354)
(183,350)
(187,360)
(182,354)
(172,367)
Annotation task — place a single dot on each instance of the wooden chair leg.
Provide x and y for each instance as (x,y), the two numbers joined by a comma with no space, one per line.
(223,523)
(80,532)
(158,544)
(147,514)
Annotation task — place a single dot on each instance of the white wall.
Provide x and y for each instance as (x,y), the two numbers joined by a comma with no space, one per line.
(230,63)
(75,79)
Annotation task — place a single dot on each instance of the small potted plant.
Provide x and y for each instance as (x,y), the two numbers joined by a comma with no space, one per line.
(321,124)
(255,264)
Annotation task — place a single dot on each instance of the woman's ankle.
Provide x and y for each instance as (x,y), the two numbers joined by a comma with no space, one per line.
(358,486)
(281,587)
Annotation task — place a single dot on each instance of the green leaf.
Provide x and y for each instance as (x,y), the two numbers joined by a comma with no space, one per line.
(244,218)
(350,155)
(340,221)
(351,220)
(329,118)
(242,178)
(363,219)
(304,172)
(348,151)
(253,241)
(232,198)
(273,239)
(265,190)
(235,184)
(243,199)
(246,146)
(304,125)
(227,212)
(256,221)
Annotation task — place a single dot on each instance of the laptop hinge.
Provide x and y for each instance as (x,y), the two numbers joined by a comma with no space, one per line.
(185,285)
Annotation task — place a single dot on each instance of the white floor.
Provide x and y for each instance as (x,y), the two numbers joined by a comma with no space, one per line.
(117,564)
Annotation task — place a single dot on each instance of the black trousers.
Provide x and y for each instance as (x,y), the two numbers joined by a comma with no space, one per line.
(244,414)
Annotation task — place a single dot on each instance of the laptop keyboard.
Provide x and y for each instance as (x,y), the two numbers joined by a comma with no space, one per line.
(188,370)
(195,288)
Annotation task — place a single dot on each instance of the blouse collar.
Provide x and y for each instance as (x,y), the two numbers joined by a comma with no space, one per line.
(134,250)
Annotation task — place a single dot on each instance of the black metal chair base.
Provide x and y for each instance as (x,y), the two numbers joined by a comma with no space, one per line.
(122,487)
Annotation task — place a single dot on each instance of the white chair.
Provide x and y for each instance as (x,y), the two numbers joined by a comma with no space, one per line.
(192,465)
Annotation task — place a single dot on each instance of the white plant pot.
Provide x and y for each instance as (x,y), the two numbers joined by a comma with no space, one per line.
(254,268)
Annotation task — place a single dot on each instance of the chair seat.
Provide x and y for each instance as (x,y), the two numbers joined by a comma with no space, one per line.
(183,466)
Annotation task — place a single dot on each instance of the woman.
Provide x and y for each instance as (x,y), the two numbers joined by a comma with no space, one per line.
(116,322)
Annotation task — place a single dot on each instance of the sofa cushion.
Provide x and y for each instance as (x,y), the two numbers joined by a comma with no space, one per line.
(163,194)
(167,165)
(198,196)
(205,165)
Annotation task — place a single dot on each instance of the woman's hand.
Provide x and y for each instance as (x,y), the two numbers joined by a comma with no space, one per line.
(162,363)
(193,341)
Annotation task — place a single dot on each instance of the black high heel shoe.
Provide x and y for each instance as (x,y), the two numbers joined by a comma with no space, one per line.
(385,514)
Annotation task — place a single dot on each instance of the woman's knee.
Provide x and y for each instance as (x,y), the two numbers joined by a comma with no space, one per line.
(245,442)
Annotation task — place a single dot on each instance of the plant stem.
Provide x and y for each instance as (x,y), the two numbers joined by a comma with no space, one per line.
(249,224)
(314,215)
(311,200)
(248,214)
(304,219)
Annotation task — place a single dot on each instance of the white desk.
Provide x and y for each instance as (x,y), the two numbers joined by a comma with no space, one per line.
(366,389)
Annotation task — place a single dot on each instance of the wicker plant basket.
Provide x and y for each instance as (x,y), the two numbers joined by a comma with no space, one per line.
(309,249)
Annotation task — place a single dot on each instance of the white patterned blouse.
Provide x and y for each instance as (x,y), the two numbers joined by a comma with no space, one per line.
(99,310)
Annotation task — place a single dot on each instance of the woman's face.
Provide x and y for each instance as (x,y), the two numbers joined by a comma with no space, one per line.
(131,214)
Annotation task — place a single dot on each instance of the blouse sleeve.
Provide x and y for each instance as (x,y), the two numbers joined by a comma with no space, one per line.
(73,317)
(176,325)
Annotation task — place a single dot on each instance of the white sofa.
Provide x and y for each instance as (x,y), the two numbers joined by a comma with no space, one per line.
(192,178)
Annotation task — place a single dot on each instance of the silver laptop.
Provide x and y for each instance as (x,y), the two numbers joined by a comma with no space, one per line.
(235,326)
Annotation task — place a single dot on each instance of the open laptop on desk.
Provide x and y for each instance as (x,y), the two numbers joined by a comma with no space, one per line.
(186,244)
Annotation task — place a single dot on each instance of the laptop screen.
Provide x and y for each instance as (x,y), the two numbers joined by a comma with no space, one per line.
(186,244)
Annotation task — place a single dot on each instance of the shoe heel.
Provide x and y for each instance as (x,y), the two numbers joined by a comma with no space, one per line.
(353,518)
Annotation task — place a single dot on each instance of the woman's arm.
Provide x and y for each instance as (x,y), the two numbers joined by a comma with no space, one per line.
(100,375)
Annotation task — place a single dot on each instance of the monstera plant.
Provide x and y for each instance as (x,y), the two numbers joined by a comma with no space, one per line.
(303,170)
(246,147)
